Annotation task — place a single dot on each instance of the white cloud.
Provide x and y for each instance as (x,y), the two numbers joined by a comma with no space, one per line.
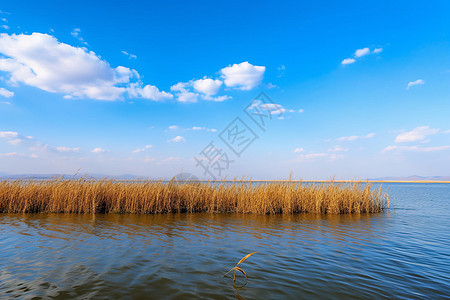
(362,52)
(417,134)
(187,97)
(177,139)
(67,149)
(8,134)
(130,56)
(207,86)
(377,50)
(297,150)
(301,110)
(5,93)
(348,61)
(415,148)
(180,87)
(415,82)
(41,61)
(98,150)
(183,94)
(244,76)
(355,137)
(203,128)
(310,156)
(150,92)
(142,149)
(337,148)
(270,106)
(195,128)
(5,27)
(216,99)
(76,33)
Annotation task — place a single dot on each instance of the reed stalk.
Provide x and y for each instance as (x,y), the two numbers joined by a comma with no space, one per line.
(157,197)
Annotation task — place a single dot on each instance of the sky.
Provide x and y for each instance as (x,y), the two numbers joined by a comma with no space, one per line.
(225,90)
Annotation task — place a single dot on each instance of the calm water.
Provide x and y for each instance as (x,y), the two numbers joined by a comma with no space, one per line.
(401,254)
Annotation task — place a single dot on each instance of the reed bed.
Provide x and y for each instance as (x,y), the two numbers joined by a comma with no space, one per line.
(157,197)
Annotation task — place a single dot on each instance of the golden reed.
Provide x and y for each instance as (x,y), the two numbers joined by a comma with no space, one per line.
(156,197)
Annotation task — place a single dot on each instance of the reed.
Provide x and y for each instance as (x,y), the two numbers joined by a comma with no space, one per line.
(156,197)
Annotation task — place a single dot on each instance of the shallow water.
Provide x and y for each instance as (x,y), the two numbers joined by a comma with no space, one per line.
(404,253)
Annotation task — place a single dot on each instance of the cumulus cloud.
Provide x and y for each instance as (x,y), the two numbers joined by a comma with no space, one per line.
(244,76)
(348,61)
(417,134)
(415,82)
(5,93)
(362,52)
(174,127)
(204,88)
(177,139)
(297,150)
(98,150)
(142,149)
(355,137)
(183,94)
(187,97)
(41,61)
(151,92)
(274,109)
(377,50)
(207,86)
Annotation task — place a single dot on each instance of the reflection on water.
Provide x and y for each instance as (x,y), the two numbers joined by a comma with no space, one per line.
(402,254)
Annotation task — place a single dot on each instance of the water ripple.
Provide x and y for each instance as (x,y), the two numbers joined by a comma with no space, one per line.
(403,254)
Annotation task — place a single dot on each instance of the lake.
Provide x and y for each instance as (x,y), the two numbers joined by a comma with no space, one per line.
(403,254)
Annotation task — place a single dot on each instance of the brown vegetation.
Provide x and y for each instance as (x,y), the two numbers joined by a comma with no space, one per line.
(154,197)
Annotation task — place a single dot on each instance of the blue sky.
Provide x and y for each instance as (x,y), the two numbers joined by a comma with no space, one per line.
(357,89)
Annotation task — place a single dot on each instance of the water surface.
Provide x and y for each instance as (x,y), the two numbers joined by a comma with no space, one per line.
(401,254)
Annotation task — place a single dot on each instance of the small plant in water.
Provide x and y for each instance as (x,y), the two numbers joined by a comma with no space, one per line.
(236,268)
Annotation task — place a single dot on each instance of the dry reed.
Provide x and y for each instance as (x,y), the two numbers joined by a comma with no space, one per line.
(236,268)
(155,197)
